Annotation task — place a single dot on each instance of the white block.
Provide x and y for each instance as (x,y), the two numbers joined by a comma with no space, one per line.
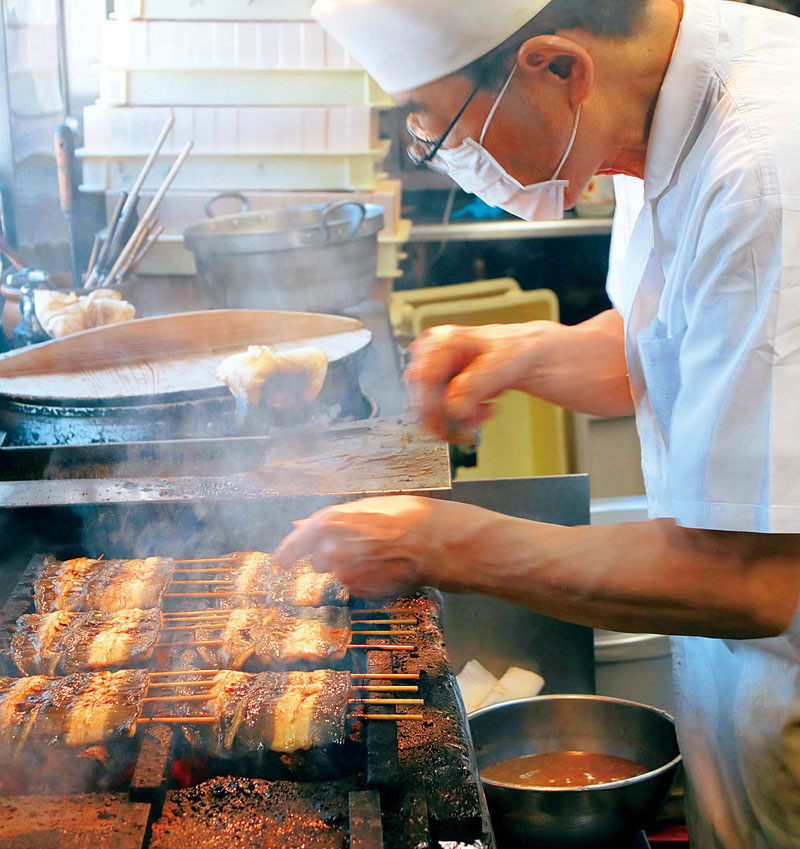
(475,683)
(516,683)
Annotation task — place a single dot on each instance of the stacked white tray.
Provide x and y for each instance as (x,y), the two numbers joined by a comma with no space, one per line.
(198,63)
(275,108)
(214,10)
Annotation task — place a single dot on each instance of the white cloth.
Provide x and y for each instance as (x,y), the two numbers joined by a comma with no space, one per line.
(705,269)
(404,44)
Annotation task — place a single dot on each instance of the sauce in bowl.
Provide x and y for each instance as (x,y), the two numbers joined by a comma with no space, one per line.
(562,769)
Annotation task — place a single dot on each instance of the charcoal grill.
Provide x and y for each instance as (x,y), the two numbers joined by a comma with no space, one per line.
(413,785)
(410,785)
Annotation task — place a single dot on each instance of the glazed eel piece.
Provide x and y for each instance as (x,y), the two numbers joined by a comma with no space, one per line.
(107,585)
(77,710)
(277,637)
(259,581)
(283,712)
(63,642)
(279,711)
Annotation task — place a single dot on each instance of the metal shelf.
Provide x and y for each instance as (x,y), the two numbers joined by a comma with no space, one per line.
(485,231)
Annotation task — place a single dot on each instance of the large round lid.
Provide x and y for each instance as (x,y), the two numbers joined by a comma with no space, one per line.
(282,229)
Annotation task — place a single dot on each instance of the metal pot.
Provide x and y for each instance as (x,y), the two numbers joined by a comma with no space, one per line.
(602,815)
(312,258)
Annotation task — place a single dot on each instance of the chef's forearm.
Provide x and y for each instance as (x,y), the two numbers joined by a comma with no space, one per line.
(580,367)
(641,577)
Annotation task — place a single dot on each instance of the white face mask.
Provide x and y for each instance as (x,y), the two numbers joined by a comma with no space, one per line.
(479,173)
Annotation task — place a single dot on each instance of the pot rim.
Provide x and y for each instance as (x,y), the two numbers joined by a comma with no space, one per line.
(609,785)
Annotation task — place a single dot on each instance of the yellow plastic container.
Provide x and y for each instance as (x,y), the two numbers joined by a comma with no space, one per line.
(406,303)
(525,436)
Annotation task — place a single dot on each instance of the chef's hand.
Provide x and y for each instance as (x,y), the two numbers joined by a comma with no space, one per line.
(456,371)
(382,546)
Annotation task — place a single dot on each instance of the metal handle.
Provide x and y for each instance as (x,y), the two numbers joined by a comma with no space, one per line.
(65,158)
(354,220)
(221,196)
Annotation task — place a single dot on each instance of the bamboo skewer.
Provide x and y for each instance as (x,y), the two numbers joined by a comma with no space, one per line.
(382,647)
(209,560)
(387,676)
(199,595)
(219,625)
(184,672)
(177,720)
(358,700)
(375,688)
(208,581)
(210,720)
(384,621)
(391,716)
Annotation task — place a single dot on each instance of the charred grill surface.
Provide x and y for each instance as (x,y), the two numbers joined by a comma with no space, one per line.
(252,814)
(88,821)
(62,643)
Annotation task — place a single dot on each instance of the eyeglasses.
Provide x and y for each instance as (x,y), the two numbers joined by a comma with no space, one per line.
(422,150)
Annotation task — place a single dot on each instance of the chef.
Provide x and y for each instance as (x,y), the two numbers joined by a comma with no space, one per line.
(694,105)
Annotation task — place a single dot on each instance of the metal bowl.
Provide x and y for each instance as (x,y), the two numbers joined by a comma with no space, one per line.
(313,258)
(599,815)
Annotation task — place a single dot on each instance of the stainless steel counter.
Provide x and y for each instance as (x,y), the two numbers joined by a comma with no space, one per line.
(485,231)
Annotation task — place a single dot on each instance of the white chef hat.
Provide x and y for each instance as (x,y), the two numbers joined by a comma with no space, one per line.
(404,44)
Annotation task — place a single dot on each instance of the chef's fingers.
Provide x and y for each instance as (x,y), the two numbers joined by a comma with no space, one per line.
(439,354)
(483,379)
(298,543)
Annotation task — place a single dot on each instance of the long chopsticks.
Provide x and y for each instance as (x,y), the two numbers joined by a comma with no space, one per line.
(151,210)
(115,260)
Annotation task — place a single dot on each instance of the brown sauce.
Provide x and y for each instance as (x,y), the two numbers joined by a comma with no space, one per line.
(562,769)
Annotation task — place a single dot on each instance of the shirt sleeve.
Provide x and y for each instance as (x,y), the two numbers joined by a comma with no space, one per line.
(734,428)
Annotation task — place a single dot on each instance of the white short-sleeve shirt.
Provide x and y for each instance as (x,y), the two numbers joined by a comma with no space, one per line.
(709,283)
(705,269)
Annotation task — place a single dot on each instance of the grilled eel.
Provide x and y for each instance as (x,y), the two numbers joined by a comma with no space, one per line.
(279,711)
(78,710)
(84,583)
(277,636)
(258,580)
(282,712)
(62,642)
(107,585)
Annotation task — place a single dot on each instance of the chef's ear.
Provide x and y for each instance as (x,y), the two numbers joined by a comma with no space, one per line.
(552,60)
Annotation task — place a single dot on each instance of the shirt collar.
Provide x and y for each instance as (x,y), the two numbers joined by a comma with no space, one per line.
(682,93)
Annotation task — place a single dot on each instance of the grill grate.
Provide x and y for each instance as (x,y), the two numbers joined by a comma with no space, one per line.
(406,785)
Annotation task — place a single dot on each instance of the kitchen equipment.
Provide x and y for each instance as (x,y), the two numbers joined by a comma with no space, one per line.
(65,162)
(154,378)
(601,815)
(121,225)
(315,257)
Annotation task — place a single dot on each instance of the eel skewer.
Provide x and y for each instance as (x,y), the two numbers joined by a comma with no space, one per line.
(383,676)
(382,647)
